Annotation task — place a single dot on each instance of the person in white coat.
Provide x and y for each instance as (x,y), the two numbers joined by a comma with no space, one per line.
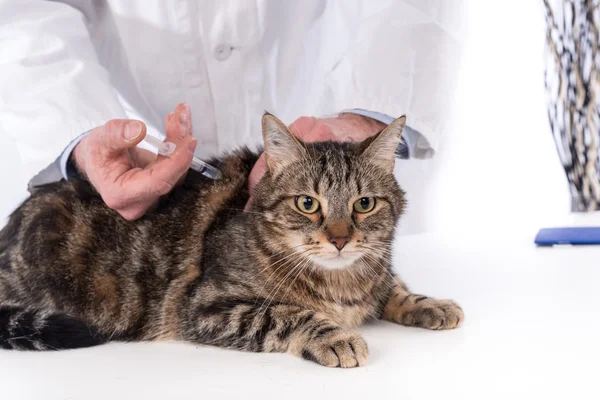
(84,81)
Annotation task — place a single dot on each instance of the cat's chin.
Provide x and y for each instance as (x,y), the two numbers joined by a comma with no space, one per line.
(337,261)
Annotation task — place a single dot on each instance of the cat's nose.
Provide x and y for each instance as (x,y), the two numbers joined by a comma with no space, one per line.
(339,241)
(338,233)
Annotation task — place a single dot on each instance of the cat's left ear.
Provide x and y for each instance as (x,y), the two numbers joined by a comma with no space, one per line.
(382,149)
(281,146)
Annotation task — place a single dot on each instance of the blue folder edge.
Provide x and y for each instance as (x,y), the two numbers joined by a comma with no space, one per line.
(573,236)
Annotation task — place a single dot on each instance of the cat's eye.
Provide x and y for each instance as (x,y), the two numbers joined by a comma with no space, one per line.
(307,204)
(364,205)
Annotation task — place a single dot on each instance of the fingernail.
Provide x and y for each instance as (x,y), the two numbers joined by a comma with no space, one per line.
(132,130)
(192,145)
(183,118)
(183,114)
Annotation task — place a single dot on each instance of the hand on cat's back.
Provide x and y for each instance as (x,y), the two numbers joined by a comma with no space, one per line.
(129,179)
(344,128)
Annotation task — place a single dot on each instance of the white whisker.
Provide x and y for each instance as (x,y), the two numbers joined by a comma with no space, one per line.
(271,296)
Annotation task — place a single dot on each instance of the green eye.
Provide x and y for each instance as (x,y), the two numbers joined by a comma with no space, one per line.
(307,204)
(364,205)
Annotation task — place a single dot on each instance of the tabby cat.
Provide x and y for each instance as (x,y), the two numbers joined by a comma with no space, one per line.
(298,273)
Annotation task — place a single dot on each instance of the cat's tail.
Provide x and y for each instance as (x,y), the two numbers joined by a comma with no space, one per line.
(27,329)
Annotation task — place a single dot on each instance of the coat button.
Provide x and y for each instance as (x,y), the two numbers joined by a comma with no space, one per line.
(222,52)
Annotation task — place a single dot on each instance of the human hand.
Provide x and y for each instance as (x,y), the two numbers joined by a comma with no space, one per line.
(344,128)
(129,179)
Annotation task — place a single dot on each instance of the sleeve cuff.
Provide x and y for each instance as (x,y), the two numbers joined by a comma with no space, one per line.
(66,155)
(57,170)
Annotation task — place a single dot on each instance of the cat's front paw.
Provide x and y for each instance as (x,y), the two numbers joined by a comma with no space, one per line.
(429,313)
(337,348)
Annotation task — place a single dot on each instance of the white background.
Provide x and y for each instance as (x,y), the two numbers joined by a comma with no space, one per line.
(498,168)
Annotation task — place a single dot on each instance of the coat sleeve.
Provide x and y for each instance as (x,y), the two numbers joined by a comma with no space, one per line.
(52,85)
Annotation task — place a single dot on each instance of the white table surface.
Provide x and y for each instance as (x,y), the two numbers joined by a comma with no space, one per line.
(532,330)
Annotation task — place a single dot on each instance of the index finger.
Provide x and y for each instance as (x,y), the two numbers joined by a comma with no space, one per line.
(177,126)
(179,123)
(161,177)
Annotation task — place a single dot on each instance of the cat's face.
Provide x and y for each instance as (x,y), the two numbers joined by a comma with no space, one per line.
(333,204)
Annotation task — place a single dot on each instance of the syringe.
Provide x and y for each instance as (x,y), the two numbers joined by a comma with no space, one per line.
(167,148)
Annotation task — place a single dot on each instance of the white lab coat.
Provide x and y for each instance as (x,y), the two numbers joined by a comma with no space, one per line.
(69,66)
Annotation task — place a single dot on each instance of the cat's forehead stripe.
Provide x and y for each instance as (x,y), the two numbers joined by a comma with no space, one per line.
(339,172)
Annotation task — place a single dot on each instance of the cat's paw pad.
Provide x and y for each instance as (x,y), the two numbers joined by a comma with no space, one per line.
(337,349)
(433,314)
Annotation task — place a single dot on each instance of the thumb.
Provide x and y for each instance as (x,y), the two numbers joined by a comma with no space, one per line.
(120,134)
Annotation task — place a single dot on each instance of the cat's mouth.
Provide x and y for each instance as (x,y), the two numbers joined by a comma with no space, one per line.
(338,260)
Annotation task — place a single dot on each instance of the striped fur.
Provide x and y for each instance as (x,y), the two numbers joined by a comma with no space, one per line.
(73,273)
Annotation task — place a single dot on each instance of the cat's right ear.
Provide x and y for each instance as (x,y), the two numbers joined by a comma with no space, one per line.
(381,151)
(281,146)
